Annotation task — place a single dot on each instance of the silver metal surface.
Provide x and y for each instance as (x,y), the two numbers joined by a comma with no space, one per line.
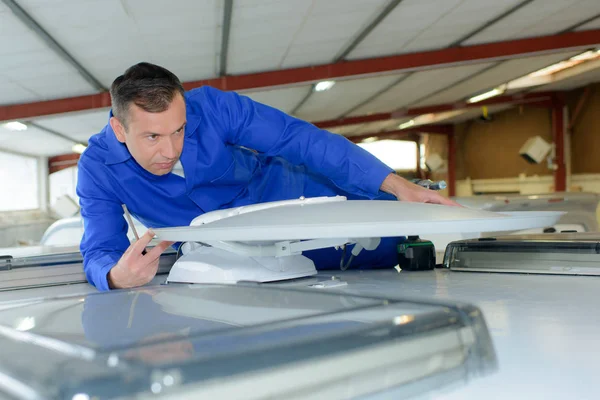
(238,341)
(545,328)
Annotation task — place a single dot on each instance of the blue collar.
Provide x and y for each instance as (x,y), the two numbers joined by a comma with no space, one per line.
(118,152)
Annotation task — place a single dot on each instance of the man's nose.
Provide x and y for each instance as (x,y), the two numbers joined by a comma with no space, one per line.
(169,148)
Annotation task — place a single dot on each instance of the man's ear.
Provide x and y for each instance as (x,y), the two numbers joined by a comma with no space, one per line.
(118,129)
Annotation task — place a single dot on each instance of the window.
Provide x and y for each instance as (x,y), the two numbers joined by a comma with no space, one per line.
(19,181)
(63,182)
(399,155)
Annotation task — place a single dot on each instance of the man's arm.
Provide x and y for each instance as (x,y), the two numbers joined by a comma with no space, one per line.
(104,228)
(109,260)
(272,132)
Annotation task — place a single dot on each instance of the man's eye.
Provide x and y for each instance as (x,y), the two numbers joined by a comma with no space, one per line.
(152,137)
(180,130)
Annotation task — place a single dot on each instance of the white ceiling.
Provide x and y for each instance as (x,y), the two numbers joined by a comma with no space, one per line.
(503,72)
(284,99)
(422,25)
(79,126)
(593,75)
(417,86)
(343,96)
(33,141)
(593,24)
(540,17)
(107,36)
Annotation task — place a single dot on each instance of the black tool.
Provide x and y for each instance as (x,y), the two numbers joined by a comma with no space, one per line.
(415,254)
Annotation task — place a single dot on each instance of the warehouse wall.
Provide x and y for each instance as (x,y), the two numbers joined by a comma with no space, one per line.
(585,135)
(488,150)
(23,227)
(437,144)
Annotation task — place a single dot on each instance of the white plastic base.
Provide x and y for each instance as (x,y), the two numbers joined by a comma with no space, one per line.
(213,265)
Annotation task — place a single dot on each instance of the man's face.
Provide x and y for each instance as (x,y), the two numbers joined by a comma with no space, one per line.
(155,140)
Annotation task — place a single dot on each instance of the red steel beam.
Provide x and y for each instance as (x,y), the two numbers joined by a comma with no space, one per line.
(399,135)
(50,107)
(344,69)
(408,133)
(581,103)
(63,161)
(412,61)
(452,164)
(419,170)
(353,120)
(558,132)
(538,99)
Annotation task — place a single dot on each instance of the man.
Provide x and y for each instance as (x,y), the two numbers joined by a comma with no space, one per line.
(234,152)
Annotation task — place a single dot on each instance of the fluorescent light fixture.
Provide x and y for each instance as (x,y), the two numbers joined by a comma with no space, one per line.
(15,126)
(26,324)
(79,148)
(571,62)
(588,55)
(324,85)
(408,124)
(370,139)
(552,69)
(485,96)
(403,319)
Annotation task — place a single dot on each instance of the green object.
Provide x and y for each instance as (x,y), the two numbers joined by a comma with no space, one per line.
(415,254)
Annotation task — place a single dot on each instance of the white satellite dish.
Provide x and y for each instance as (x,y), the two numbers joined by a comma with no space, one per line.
(264,242)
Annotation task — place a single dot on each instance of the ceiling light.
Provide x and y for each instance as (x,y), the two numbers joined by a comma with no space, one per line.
(15,126)
(25,324)
(571,62)
(408,124)
(324,85)
(370,139)
(554,68)
(588,55)
(79,148)
(485,96)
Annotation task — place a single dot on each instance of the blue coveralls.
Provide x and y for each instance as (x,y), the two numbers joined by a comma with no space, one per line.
(290,158)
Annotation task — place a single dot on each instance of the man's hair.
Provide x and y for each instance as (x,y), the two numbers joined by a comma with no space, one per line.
(148,86)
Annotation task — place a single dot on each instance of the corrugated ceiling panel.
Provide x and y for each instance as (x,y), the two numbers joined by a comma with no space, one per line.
(574,82)
(401,26)
(11,93)
(504,72)
(417,86)
(594,24)
(330,27)
(107,36)
(34,142)
(468,16)
(541,17)
(345,130)
(262,32)
(79,126)
(342,96)
(379,126)
(285,99)
(29,71)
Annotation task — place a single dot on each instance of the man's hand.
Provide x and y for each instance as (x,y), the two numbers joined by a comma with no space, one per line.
(408,191)
(134,268)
